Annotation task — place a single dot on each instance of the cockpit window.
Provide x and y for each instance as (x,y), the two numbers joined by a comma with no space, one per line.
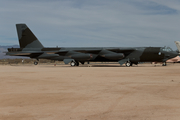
(167,49)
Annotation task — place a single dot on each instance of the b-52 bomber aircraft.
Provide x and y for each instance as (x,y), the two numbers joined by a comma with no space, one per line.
(31,47)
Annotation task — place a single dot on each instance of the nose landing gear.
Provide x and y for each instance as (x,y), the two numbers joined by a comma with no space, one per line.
(164,64)
(36,62)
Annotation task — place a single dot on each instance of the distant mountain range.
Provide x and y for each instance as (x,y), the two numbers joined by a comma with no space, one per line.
(4,49)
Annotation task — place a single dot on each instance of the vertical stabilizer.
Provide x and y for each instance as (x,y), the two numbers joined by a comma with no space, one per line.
(26,38)
(178,45)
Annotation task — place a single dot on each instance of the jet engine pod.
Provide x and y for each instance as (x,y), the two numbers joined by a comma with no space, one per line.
(114,56)
(46,56)
(81,57)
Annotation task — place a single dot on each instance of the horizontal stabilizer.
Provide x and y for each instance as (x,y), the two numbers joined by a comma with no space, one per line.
(23,53)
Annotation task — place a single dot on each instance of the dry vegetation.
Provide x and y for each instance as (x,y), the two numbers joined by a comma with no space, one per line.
(27,61)
(41,61)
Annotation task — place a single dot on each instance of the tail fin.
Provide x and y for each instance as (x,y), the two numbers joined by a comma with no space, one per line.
(178,45)
(26,38)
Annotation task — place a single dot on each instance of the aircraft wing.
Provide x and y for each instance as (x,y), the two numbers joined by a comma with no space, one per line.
(123,50)
(63,52)
(92,51)
(25,53)
(115,50)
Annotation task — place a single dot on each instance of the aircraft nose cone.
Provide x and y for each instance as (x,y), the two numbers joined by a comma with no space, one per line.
(171,55)
(174,54)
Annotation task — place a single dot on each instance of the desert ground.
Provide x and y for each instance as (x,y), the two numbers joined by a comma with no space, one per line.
(99,92)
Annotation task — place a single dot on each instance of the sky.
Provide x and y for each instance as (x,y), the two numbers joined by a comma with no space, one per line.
(93,23)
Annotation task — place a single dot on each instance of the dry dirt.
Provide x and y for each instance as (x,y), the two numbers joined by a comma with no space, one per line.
(100,92)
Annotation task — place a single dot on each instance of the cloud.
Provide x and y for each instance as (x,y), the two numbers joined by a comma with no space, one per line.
(92,23)
(153,8)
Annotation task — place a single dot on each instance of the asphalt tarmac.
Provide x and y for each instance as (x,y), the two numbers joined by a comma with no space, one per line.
(98,92)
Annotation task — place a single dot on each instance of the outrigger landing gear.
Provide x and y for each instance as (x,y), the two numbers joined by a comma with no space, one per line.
(164,64)
(77,63)
(36,62)
(128,64)
(74,63)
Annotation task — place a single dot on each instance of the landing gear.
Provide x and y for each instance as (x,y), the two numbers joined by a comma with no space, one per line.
(128,64)
(35,63)
(74,63)
(164,64)
(77,63)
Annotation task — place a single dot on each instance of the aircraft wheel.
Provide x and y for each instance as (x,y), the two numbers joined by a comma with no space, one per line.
(73,63)
(164,64)
(77,63)
(35,63)
(128,64)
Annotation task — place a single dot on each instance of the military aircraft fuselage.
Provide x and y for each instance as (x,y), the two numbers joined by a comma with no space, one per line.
(111,54)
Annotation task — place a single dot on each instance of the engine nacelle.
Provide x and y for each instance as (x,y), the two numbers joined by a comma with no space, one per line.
(47,56)
(114,56)
(81,57)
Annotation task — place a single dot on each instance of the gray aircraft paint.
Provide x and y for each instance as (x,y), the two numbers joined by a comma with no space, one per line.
(35,44)
(26,38)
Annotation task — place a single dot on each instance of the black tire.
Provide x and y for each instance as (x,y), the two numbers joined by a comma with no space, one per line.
(35,63)
(128,64)
(73,63)
(77,63)
(164,64)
